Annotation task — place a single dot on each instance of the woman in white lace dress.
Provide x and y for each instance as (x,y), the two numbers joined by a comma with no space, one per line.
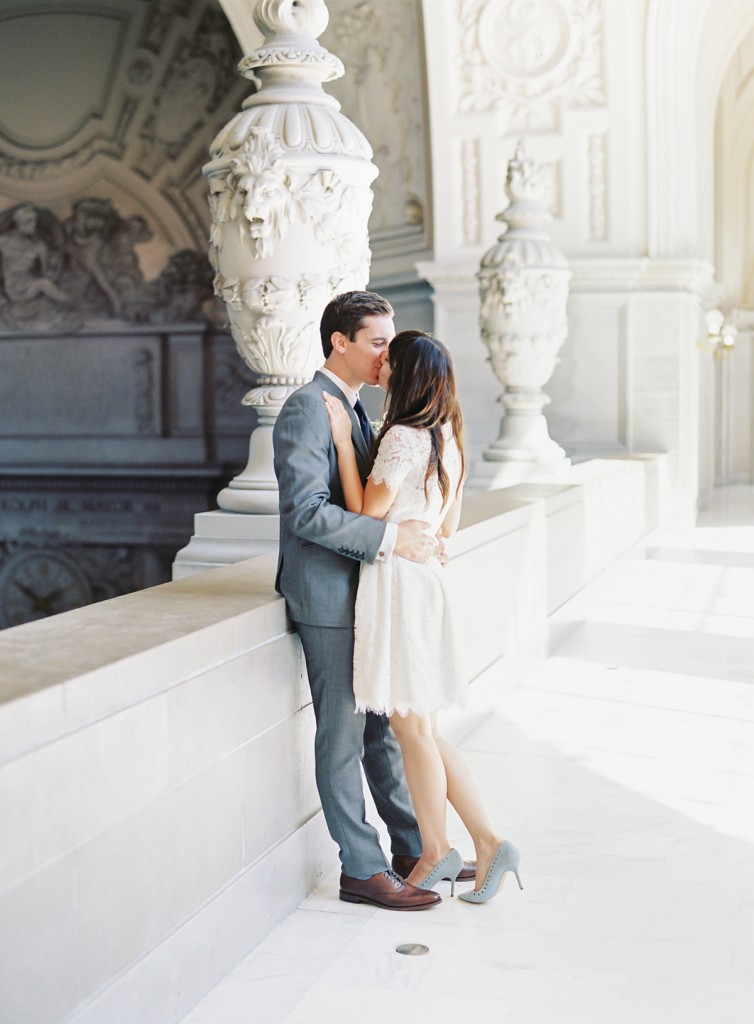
(405,657)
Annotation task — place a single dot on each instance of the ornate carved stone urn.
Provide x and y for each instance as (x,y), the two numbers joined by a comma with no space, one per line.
(290,197)
(523,283)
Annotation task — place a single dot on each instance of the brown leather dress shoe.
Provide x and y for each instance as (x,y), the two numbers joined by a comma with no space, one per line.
(388,891)
(403,865)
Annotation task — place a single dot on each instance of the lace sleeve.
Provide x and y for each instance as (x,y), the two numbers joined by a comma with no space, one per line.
(395,457)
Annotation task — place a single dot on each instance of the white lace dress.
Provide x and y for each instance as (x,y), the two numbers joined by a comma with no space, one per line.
(405,656)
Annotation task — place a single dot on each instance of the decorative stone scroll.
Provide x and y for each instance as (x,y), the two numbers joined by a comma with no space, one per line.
(290,198)
(523,283)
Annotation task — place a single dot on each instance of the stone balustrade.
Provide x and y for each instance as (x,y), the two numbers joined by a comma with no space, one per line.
(157,799)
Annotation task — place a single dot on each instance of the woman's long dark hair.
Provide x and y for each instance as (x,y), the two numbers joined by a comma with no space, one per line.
(422,394)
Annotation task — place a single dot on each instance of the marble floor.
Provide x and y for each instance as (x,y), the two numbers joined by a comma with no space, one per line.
(623,767)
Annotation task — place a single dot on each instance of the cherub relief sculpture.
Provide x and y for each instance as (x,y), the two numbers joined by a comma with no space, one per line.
(31,259)
(121,261)
(103,269)
(57,274)
(182,288)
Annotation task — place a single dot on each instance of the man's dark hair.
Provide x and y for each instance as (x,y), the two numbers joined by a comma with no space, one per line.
(345,314)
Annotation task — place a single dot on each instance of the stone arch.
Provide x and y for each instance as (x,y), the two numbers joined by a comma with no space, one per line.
(689,45)
(734,185)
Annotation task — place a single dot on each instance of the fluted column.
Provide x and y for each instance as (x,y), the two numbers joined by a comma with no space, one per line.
(523,282)
(290,197)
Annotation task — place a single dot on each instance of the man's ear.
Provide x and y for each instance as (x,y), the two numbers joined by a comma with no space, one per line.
(339,341)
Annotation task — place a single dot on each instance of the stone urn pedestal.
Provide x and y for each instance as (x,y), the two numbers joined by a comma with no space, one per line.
(290,195)
(523,283)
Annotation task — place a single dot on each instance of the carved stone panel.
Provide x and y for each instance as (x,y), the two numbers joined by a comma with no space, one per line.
(383,91)
(123,397)
(530,58)
(470,170)
(58,271)
(135,395)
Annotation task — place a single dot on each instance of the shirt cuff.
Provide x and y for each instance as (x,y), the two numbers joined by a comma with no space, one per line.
(388,542)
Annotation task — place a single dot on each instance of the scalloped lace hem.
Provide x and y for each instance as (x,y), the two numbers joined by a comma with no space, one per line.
(404,708)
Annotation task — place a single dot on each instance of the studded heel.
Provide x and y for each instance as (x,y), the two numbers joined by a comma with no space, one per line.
(448,867)
(506,859)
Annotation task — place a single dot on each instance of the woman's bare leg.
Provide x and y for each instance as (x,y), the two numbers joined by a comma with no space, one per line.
(466,800)
(425,774)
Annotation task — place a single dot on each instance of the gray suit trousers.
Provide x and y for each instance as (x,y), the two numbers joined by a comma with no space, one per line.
(343,740)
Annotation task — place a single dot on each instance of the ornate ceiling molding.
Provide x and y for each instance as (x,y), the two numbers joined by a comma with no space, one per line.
(143,117)
(50,109)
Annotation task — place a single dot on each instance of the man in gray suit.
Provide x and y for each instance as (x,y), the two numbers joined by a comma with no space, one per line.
(321,548)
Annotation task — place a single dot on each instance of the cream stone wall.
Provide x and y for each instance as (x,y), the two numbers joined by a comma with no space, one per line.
(617,102)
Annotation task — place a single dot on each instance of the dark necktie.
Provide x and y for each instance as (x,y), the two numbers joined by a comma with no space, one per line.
(366,426)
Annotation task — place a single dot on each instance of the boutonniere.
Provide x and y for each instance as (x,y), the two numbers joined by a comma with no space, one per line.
(377,425)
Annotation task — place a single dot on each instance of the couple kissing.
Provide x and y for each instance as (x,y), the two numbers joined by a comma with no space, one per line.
(362,522)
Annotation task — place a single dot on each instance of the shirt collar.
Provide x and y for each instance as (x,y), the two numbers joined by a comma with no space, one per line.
(350,394)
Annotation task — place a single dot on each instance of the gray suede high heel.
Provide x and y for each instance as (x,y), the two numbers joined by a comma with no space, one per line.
(507,858)
(448,867)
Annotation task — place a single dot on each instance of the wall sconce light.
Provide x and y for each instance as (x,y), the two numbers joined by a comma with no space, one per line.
(721,335)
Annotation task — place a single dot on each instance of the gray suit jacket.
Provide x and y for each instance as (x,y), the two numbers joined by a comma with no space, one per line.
(321,544)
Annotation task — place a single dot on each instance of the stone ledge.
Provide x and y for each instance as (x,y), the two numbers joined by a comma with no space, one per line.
(141,739)
(60,673)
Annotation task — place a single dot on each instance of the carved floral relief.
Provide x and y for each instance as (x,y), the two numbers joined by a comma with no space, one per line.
(145,406)
(157,27)
(470,169)
(529,58)
(598,212)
